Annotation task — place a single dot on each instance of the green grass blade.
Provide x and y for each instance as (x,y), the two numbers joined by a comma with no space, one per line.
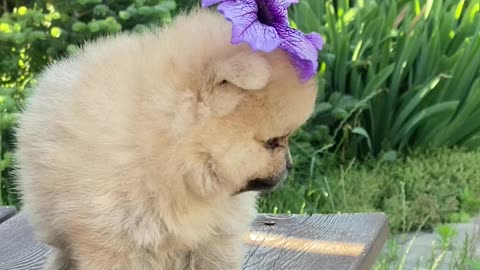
(405,133)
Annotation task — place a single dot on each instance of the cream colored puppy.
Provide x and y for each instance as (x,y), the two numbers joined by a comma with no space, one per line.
(147,151)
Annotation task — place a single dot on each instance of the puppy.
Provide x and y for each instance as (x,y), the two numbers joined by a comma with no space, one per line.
(147,151)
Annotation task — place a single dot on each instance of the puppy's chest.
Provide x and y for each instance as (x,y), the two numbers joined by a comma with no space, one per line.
(203,225)
(177,229)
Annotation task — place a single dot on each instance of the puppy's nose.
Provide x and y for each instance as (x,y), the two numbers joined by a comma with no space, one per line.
(288,159)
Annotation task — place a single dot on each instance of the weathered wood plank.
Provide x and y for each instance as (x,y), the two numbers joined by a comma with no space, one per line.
(7,212)
(18,249)
(275,242)
(347,241)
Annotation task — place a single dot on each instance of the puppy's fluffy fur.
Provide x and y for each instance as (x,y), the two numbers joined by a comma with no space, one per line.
(145,151)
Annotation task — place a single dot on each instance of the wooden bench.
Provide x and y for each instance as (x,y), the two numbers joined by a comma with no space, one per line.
(344,241)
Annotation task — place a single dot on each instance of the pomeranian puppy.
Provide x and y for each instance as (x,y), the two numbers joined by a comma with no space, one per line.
(147,151)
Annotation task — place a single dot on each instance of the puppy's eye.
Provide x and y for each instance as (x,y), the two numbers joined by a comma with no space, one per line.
(273,143)
(223,83)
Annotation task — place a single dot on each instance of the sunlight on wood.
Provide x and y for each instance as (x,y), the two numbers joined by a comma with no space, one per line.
(304,245)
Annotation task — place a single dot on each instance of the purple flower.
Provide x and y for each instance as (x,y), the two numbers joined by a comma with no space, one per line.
(264,25)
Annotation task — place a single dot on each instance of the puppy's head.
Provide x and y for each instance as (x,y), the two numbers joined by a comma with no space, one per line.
(247,105)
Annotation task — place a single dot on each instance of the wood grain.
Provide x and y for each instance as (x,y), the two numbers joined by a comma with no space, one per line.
(304,245)
(18,249)
(348,231)
(7,212)
(348,241)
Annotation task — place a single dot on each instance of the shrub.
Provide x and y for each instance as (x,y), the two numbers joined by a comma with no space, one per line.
(187,4)
(422,189)
(35,33)
(396,74)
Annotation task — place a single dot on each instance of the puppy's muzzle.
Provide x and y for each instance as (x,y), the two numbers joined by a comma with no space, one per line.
(264,184)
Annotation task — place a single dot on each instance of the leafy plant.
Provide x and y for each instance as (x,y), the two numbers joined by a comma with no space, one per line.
(471,264)
(187,4)
(446,252)
(35,33)
(408,70)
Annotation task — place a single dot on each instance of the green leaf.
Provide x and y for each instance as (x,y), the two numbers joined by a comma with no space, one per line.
(166,6)
(413,102)
(404,134)
(93,26)
(323,107)
(124,15)
(339,113)
(37,35)
(22,10)
(362,132)
(87,2)
(390,156)
(146,11)
(79,27)
(101,10)
(5,28)
(55,32)
(378,80)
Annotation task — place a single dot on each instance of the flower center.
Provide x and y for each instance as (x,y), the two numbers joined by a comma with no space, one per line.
(264,14)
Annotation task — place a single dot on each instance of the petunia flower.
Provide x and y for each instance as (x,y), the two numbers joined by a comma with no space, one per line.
(264,25)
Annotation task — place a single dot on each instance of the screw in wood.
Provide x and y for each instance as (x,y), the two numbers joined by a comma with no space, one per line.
(269,222)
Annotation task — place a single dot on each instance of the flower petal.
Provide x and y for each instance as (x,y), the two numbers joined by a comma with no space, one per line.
(247,28)
(303,52)
(316,40)
(207,3)
(288,3)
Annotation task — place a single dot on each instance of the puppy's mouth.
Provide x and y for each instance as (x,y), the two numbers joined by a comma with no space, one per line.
(263,184)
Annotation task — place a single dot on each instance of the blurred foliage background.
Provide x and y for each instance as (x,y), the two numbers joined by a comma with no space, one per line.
(36,33)
(400,96)
(397,123)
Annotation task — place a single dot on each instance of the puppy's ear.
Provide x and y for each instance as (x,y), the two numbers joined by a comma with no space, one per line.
(245,70)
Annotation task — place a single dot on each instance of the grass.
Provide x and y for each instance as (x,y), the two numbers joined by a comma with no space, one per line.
(419,191)
(423,189)
(445,254)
